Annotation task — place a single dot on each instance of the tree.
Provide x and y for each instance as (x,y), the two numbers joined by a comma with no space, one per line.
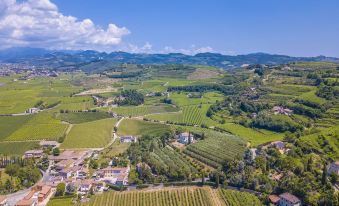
(324,178)
(334,178)
(56,151)
(9,185)
(217,179)
(60,190)
(12,170)
(203,177)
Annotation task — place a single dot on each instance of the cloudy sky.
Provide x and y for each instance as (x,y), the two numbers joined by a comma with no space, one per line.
(299,28)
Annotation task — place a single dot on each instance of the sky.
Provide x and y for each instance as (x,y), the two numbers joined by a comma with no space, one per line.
(291,27)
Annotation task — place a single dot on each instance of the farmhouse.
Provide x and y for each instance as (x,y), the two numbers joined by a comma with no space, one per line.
(274,199)
(287,199)
(3,200)
(334,168)
(185,138)
(33,154)
(128,139)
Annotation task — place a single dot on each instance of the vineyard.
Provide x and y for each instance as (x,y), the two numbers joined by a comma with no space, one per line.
(144,110)
(81,117)
(169,162)
(9,124)
(235,198)
(39,126)
(95,134)
(214,150)
(168,197)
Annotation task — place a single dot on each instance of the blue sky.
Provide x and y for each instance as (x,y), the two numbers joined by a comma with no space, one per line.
(292,27)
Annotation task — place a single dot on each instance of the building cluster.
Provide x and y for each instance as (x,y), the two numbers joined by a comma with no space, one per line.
(38,194)
(29,72)
(285,199)
(157,94)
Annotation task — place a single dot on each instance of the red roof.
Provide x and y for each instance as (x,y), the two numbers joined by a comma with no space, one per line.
(274,199)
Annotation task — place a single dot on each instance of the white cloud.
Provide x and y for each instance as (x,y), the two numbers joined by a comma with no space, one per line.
(38,23)
(191,50)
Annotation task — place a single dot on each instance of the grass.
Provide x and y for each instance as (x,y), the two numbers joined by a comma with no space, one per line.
(17,148)
(60,202)
(95,134)
(139,128)
(81,117)
(253,136)
(187,196)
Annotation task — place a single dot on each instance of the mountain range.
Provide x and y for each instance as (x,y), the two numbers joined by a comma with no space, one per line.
(68,59)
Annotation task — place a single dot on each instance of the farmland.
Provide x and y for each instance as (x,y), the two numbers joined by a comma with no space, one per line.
(95,134)
(17,148)
(139,128)
(38,127)
(144,110)
(81,117)
(182,196)
(235,198)
(214,150)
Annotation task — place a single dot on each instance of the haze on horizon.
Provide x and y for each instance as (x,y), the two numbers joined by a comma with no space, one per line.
(296,28)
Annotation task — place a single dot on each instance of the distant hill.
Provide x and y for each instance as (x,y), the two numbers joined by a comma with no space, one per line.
(76,59)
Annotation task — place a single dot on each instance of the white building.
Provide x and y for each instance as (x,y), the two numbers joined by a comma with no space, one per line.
(185,138)
(128,139)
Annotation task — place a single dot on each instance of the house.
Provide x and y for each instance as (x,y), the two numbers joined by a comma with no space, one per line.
(274,199)
(287,199)
(85,186)
(279,145)
(185,138)
(33,110)
(81,173)
(33,154)
(3,200)
(334,168)
(281,110)
(122,180)
(44,192)
(128,139)
(99,186)
(69,172)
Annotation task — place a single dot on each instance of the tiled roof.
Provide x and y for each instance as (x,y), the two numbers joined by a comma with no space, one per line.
(289,197)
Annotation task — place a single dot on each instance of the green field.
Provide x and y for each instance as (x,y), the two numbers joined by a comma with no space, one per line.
(144,110)
(9,124)
(254,136)
(235,198)
(38,127)
(139,128)
(81,117)
(17,148)
(60,202)
(95,134)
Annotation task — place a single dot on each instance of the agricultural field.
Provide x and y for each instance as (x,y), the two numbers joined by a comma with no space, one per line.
(253,136)
(144,110)
(191,115)
(216,148)
(188,196)
(60,201)
(138,128)
(235,198)
(81,117)
(41,126)
(9,124)
(17,148)
(95,134)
